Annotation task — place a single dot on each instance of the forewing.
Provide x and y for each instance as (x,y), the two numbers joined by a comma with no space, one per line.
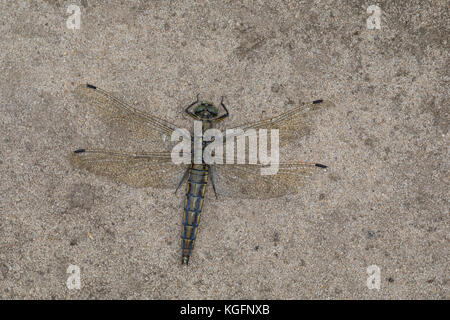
(137,170)
(130,121)
(292,124)
(245,180)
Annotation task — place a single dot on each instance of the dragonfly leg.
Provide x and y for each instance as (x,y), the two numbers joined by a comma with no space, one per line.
(226,114)
(190,106)
(185,175)
(211,170)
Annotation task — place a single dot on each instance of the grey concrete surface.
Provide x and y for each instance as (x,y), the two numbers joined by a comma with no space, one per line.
(383,202)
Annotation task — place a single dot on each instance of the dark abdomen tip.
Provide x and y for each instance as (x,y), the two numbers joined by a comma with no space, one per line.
(91,86)
(317,101)
(321,165)
(79,151)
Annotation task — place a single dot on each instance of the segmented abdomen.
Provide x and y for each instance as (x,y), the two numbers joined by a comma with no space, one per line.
(195,192)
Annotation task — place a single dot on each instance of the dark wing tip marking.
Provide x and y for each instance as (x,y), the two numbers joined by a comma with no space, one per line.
(317,101)
(321,165)
(91,86)
(79,151)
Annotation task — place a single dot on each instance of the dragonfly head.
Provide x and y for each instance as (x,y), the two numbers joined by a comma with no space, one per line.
(206,110)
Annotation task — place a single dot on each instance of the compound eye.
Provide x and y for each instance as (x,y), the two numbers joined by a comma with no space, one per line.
(212,110)
(199,109)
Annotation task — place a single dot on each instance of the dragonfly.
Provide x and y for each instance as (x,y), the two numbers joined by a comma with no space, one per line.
(155,168)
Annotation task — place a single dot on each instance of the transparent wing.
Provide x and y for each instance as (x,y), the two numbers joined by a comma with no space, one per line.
(137,170)
(246,182)
(292,124)
(131,121)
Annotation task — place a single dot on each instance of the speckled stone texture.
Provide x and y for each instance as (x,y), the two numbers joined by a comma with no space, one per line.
(384,200)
